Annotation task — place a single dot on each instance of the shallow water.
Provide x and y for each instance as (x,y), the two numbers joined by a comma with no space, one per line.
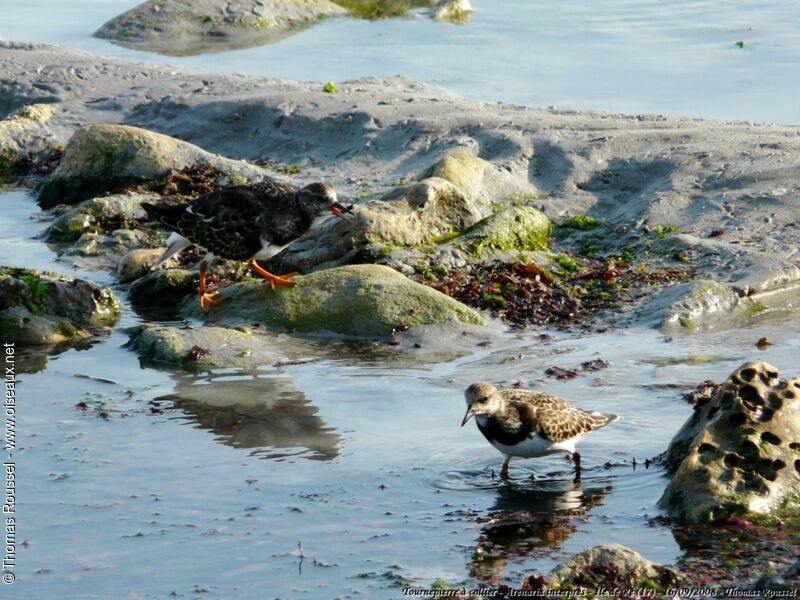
(627,56)
(204,485)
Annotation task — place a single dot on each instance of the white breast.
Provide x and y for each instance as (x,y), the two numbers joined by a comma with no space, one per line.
(537,446)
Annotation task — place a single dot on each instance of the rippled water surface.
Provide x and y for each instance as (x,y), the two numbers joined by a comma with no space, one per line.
(631,56)
(204,485)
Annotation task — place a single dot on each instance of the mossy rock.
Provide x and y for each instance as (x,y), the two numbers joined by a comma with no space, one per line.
(515,229)
(611,565)
(109,212)
(103,158)
(356,300)
(164,288)
(47,308)
(408,216)
(183,27)
(465,171)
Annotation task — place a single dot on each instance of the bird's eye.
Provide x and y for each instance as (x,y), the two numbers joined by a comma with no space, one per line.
(484,399)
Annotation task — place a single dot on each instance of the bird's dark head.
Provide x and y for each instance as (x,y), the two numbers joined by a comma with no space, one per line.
(316,199)
(482,399)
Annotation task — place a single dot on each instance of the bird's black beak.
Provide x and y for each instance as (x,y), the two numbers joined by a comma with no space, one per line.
(467,416)
(340,210)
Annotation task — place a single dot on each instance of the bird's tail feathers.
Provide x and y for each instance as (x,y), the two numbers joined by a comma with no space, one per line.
(175,243)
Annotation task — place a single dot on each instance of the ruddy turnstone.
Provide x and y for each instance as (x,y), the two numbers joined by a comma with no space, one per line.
(245,222)
(527,424)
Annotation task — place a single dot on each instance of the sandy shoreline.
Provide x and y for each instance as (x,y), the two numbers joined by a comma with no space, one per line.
(728,190)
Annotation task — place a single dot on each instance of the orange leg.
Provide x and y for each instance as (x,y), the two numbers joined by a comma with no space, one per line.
(273,279)
(204,297)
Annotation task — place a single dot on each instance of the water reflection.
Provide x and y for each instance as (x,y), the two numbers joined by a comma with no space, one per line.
(529,521)
(267,415)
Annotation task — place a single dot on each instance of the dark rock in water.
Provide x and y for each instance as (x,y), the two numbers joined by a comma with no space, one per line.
(164,288)
(46,308)
(610,565)
(786,581)
(738,453)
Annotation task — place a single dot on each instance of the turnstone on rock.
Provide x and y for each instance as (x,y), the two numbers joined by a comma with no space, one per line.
(245,222)
(528,424)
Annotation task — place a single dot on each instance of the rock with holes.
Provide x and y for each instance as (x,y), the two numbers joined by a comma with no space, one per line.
(740,451)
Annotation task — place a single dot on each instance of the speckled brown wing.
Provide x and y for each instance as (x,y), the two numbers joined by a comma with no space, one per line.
(556,418)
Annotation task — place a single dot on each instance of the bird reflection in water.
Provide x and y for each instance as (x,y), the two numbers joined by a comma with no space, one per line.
(267,415)
(529,521)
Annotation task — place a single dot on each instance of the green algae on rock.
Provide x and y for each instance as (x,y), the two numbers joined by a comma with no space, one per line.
(356,300)
(105,213)
(47,308)
(412,215)
(183,27)
(738,453)
(381,9)
(103,158)
(515,229)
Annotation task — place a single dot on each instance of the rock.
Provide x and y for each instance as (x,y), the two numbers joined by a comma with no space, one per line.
(357,300)
(101,158)
(786,581)
(515,229)
(416,214)
(139,262)
(98,214)
(105,247)
(737,453)
(481,181)
(203,348)
(17,131)
(164,288)
(46,308)
(453,11)
(610,565)
(183,27)
(704,305)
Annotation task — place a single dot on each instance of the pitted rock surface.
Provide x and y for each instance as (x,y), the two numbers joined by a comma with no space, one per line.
(740,451)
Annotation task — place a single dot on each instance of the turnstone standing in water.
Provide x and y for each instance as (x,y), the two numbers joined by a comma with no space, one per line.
(245,222)
(528,424)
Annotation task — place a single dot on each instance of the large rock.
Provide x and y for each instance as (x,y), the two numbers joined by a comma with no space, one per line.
(100,158)
(738,453)
(610,566)
(184,27)
(45,308)
(416,214)
(117,211)
(357,300)
(203,348)
(479,179)
(21,135)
